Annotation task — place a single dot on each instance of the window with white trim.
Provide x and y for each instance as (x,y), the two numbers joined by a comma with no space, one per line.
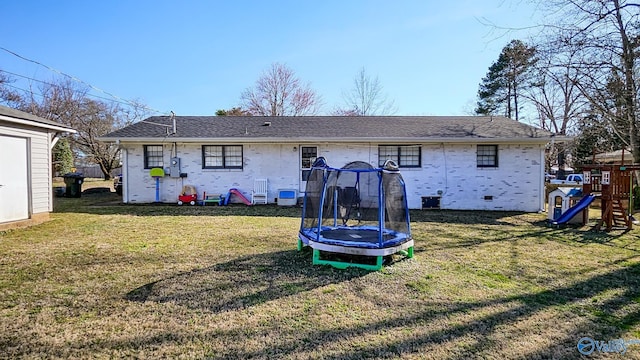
(153,157)
(406,156)
(487,156)
(222,156)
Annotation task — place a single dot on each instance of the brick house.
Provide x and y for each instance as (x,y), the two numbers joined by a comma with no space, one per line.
(448,162)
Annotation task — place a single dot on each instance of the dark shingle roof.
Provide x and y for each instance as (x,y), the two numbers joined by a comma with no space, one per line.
(317,128)
(17,114)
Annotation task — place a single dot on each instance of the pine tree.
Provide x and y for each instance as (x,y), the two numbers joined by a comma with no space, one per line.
(500,89)
(62,157)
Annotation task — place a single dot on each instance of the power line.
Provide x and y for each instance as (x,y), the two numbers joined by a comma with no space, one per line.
(52,84)
(21,89)
(118,99)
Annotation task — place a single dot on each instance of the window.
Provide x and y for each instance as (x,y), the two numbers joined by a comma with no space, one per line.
(404,155)
(308,155)
(153,156)
(487,156)
(222,156)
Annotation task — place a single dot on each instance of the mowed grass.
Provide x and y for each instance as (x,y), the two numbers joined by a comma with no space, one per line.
(106,280)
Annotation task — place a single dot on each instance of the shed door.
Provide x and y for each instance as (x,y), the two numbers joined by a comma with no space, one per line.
(14,186)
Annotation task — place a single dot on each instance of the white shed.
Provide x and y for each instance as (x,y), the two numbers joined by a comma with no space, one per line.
(26,141)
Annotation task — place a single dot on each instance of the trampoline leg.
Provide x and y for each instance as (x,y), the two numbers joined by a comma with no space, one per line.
(379,263)
(300,245)
(316,257)
(408,253)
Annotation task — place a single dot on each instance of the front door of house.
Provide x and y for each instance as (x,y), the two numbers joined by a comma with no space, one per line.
(14,185)
(308,155)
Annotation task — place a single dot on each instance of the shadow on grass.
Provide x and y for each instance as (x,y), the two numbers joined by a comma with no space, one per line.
(253,280)
(612,317)
(609,323)
(463,216)
(243,282)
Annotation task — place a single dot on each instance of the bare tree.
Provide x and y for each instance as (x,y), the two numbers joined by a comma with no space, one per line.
(366,98)
(557,99)
(8,95)
(604,37)
(68,104)
(278,92)
(554,92)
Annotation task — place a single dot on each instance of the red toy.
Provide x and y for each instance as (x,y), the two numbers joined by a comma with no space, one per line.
(188,195)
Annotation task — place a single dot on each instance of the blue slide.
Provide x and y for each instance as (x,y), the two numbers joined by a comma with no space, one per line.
(575,209)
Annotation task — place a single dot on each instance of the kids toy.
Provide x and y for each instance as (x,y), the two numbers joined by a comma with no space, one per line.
(188,195)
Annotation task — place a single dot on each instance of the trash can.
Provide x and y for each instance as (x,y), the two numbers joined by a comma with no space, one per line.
(73,182)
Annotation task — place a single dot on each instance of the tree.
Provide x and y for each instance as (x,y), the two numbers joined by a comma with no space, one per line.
(556,98)
(593,135)
(71,105)
(554,93)
(366,98)
(234,111)
(605,38)
(500,89)
(62,157)
(278,92)
(65,103)
(9,96)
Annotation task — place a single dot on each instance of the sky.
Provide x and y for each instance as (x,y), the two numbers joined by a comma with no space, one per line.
(195,57)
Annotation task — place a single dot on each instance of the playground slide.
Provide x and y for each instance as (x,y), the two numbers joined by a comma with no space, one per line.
(569,214)
(237,193)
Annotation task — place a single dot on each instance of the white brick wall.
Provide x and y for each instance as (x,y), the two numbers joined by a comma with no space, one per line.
(517,184)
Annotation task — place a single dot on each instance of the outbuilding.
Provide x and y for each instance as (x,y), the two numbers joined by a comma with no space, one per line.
(26,142)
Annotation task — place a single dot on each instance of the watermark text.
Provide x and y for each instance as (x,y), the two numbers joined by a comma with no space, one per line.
(587,345)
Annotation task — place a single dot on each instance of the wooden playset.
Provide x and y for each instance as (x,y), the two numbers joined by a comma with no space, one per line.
(613,185)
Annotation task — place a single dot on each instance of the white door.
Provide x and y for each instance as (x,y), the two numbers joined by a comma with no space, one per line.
(308,155)
(14,186)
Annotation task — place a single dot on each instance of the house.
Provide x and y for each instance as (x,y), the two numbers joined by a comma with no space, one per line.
(25,162)
(623,156)
(448,162)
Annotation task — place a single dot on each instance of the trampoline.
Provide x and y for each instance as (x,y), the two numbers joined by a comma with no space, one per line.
(355,210)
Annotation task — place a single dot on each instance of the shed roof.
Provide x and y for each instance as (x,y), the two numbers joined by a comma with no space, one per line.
(330,128)
(25,118)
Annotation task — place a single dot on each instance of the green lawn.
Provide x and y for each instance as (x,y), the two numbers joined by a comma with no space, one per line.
(106,280)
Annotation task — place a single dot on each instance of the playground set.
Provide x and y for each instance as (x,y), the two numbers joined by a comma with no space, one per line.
(611,184)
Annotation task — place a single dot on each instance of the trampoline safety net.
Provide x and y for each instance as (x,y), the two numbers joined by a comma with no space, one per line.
(356,196)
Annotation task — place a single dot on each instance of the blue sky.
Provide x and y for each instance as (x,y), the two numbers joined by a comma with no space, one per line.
(194,57)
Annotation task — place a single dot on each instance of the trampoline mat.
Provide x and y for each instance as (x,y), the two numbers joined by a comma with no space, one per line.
(356,234)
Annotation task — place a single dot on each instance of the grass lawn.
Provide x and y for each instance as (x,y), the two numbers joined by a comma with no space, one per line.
(106,280)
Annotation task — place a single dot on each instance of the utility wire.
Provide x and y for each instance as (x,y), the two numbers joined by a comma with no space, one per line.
(119,99)
(52,84)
